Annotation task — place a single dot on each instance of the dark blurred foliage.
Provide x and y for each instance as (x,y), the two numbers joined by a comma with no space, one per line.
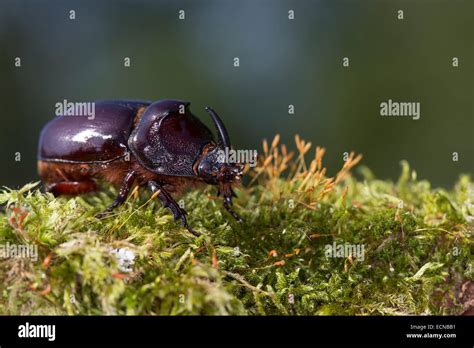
(282,62)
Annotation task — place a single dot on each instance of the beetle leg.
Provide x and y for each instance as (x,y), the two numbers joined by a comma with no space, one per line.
(122,195)
(228,205)
(168,201)
(231,192)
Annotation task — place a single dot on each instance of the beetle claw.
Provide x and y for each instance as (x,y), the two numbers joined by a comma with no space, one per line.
(103,214)
(193,232)
(100,215)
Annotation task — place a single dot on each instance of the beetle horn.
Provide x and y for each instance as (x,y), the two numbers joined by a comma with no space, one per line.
(222,134)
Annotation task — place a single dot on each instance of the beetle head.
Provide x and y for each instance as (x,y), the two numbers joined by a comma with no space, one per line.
(214,167)
(214,170)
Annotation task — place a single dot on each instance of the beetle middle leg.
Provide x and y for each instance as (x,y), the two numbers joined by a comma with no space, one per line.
(168,201)
(122,195)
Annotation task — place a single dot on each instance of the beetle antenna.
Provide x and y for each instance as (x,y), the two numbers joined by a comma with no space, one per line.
(222,134)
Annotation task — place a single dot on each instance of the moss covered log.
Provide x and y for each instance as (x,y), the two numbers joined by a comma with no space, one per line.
(311,244)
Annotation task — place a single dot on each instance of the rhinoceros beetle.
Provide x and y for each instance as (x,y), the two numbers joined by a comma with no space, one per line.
(160,144)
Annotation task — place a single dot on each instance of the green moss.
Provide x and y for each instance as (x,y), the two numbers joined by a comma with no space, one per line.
(417,242)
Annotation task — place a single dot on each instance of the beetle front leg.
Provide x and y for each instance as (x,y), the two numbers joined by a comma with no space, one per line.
(122,195)
(228,205)
(168,201)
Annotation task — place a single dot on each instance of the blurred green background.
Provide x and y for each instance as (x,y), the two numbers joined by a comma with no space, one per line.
(282,62)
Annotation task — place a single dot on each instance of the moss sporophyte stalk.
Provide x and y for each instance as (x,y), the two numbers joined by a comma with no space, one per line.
(311,244)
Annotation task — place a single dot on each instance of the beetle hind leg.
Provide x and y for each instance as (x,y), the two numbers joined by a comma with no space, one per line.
(168,201)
